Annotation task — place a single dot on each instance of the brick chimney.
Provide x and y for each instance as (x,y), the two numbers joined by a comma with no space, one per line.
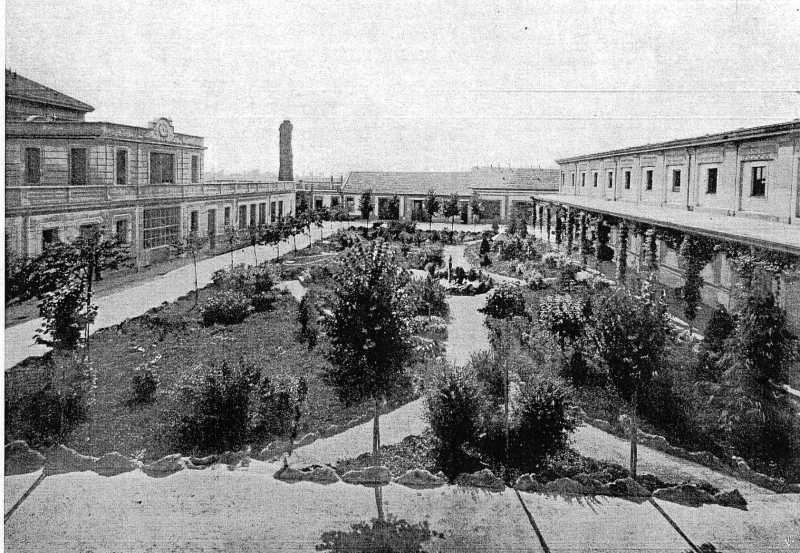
(285,170)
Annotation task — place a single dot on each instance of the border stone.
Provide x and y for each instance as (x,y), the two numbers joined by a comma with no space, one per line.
(626,487)
(114,463)
(420,478)
(484,478)
(731,499)
(376,476)
(527,483)
(564,486)
(307,439)
(684,494)
(61,459)
(169,464)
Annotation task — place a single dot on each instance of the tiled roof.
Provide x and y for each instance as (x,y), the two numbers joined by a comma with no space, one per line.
(18,86)
(458,182)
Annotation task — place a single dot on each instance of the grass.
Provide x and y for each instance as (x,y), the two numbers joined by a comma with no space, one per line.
(179,346)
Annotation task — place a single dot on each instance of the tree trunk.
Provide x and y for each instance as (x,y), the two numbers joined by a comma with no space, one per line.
(376,435)
(634,433)
(379,502)
(196,288)
(88,307)
(506,401)
(255,254)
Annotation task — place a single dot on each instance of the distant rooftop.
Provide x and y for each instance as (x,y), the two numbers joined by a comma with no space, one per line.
(23,88)
(455,182)
(716,138)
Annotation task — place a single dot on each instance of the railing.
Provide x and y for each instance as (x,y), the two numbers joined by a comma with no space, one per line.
(43,196)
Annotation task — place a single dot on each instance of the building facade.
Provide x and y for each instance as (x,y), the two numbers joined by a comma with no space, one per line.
(739,186)
(499,190)
(144,184)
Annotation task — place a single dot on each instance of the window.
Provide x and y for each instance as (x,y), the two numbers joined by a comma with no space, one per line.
(562,180)
(351,203)
(334,201)
(33,165)
(711,181)
(583,179)
(758,186)
(49,236)
(193,221)
(573,180)
(77,166)
(595,180)
(195,169)
(611,179)
(121,230)
(280,209)
(162,168)
(252,215)
(262,213)
(242,216)
(161,226)
(227,216)
(627,180)
(317,203)
(676,180)
(122,167)
(648,179)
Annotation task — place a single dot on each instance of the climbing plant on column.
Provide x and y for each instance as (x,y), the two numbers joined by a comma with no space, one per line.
(622,252)
(570,230)
(695,253)
(547,218)
(582,238)
(559,228)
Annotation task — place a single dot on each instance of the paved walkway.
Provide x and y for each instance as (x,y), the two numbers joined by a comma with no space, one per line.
(133,301)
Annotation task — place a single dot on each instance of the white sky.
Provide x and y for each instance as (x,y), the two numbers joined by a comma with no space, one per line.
(431,85)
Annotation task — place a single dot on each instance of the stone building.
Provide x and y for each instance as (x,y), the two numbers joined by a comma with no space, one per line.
(739,186)
(500,191)
(145,184)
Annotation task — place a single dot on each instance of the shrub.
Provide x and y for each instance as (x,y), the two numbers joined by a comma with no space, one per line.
(506,300)
(485,247)
(539,427)
(487,373)
(554,260)
(495,226)
(535,280)
(144,383)
(719,327)
(428,297)
(225,307)
(263,302)
(486,261)
(47,415)
(246,280)
(564,316)
(277,409)
(453,411)
(306,319)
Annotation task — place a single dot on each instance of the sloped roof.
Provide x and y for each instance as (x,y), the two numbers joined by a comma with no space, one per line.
(23,88)
(455,182)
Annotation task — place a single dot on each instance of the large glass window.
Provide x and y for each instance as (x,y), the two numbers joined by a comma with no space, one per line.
(162,168)
(758,186)
(227,216)
(122,167)
(49,236)
(627,180)
(583,179)
(194,218)
(611,179)
(262,213)
(648,179)
(33,165)
(121,228)
(161,226)
(77,166)
(595,180)
(242,216)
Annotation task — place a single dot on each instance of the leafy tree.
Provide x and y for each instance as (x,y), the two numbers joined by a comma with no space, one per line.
(232,239)
(365,205)
(306,320)
(718,329)
(451,209)
(369,329)
(484,247)
(432,206)
(564,317)
(193,244)
(504,301)
(66,276)
(695,252)
(630,332)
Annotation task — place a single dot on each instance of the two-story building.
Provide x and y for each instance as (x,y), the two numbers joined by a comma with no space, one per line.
(739,186)
(145,184)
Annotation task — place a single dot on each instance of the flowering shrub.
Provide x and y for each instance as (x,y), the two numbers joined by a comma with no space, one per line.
(225,307)
(428,297)
(263,301)
(535,280)
(143,385)
(554,260)
(505,301)
(247,280)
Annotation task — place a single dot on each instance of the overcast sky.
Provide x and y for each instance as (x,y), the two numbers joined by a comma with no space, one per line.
(416,85)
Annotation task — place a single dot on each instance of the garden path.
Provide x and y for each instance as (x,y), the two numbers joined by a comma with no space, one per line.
(134,301)
(466,335)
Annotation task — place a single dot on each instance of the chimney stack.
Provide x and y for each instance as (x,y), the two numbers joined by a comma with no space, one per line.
(285,169)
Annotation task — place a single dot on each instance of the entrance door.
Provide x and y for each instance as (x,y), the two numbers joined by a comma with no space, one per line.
(212,228)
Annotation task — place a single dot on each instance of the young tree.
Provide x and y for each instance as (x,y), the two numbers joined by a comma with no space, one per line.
(629,333)
(432,206)
(232,239)
(369,330)
(255,236)
(192,244)
(477,207)
(302,203)
(365,205)
(451,209)
(393,207)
